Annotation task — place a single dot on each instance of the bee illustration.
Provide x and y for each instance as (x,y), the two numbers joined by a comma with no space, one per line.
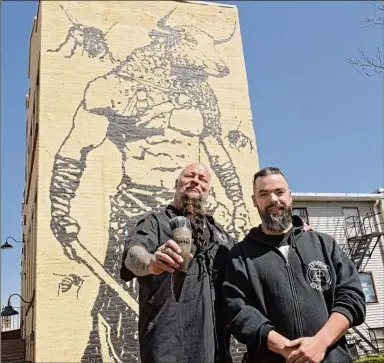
(69,281)
(90,39)
(237,139)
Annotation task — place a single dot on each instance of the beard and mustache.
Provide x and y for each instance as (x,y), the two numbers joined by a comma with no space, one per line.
(195,210)
(192,206)
(276,222)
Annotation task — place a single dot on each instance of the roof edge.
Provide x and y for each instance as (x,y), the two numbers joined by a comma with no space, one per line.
(206,3)
(332,197)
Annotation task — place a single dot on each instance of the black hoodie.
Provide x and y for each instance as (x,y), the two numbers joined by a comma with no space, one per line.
(190,329)
(295,296)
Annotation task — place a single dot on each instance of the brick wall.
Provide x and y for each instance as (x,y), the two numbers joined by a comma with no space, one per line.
(12,347)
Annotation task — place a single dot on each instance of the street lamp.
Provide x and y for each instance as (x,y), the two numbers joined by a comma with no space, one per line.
(10,311)
(7,245)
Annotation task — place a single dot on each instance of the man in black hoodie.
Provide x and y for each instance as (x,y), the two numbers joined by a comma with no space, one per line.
(290,294)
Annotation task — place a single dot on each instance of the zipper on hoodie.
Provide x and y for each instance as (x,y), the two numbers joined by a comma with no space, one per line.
(292,286)
(296,307)
(294,295)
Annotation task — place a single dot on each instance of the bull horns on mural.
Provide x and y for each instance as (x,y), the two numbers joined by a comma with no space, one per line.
(225,40)
(162,24)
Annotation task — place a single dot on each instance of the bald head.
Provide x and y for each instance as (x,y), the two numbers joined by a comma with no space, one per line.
(195,166)
(193,181)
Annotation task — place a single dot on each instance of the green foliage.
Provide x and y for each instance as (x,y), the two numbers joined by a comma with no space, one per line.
(377,358)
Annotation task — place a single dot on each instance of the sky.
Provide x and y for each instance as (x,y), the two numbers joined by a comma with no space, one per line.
(314,115)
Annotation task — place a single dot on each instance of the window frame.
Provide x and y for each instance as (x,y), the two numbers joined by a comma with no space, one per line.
(6,323)
(370,273)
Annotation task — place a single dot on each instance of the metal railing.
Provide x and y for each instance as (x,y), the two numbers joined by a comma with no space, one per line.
(357,226)
(368,336)
(362,236)
(11,322)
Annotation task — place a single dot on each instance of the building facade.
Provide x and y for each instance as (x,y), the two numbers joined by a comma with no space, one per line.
(122,96)
(356,223)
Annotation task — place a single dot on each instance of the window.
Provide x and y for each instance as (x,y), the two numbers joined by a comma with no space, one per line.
(302,213)
(5,323)
(352,221)
(368,284)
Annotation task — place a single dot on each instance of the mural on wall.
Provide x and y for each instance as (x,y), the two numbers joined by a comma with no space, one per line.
(70,281)
(140,106)
(237,139)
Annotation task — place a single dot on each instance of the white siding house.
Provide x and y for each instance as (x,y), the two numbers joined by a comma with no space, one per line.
(356,222)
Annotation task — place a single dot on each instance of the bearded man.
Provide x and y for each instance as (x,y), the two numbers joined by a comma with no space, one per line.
(291,293)
(190,328)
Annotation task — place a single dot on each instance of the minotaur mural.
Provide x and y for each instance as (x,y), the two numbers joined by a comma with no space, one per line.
(142,105)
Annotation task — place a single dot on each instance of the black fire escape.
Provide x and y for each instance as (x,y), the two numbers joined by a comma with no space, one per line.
(362,237)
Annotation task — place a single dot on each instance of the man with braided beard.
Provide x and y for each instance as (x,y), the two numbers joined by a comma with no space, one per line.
(189,330)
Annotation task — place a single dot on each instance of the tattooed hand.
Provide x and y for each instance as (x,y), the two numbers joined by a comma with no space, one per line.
(166,258)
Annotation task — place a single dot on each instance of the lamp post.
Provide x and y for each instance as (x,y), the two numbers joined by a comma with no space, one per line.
(7,245)
(10,311)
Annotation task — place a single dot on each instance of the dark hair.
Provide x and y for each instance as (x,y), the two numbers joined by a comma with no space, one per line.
(269,170)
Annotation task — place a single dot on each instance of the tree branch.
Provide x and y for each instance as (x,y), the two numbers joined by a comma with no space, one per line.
(369,65)
(376,19)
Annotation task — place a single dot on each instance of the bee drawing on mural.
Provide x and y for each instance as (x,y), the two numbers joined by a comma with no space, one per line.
(237,139)
(91,39)
(69,281)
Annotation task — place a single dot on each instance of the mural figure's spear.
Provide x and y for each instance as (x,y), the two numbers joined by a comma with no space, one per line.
(98,270)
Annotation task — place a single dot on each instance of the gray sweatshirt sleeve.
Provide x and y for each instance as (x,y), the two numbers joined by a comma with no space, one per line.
(349,295)
(244,321)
